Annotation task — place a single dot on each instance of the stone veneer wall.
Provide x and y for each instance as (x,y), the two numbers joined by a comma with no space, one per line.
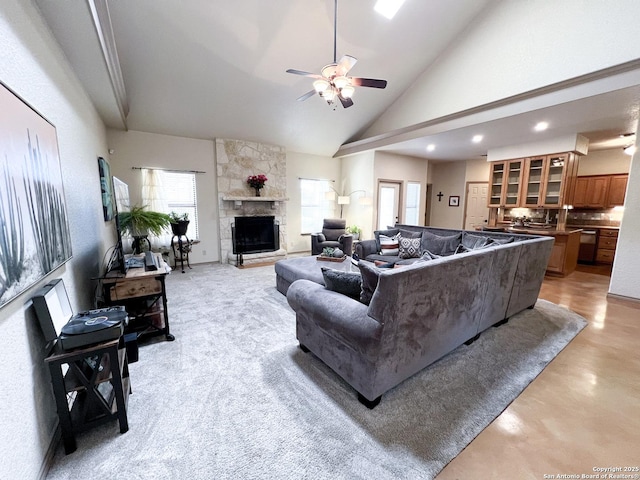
(236,160)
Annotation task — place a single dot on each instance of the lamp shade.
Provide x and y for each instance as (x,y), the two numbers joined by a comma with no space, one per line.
(343,200)
(320,85)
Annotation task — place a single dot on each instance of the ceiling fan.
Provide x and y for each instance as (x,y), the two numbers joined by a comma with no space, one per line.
(333,81)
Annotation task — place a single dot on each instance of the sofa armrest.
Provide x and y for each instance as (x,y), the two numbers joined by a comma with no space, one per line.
(339,316)
(366,248)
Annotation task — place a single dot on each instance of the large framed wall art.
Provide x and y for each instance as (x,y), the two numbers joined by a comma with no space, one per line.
(34,229)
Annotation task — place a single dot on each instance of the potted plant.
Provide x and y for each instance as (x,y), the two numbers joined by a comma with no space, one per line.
(179,223)
(355,231)
(140,223)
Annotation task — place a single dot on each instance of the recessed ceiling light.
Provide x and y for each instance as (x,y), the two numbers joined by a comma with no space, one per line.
(477,138)
(541,126)
(388,8)
(431,147)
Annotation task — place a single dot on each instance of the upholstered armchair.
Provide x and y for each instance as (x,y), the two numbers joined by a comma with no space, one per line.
(333,235)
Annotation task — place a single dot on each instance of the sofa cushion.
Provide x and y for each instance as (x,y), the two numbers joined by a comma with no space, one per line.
(409,247)
(370,274)
(389,245)
(410,233)
(346,283)
(440,245)
(389,233)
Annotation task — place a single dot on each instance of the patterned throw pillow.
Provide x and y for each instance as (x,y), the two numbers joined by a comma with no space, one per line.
(389,245)
(409,247)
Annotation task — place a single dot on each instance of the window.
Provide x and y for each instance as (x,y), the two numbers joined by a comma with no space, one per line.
(412,209)
(315,206)
(180,195)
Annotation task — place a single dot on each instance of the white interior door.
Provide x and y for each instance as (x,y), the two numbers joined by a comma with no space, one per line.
(477,213)
(388,204)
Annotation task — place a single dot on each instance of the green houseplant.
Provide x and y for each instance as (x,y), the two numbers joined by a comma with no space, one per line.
(354,230)
(140,223)
(179,223)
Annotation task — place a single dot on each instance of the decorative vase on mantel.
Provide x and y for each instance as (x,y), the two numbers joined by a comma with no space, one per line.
(257,182)
(258,191)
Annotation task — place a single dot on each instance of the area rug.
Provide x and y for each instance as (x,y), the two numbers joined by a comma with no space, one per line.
(233,397)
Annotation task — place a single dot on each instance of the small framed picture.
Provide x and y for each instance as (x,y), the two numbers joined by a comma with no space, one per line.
(454,201)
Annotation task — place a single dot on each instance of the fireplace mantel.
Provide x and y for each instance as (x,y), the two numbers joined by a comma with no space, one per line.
(237,200)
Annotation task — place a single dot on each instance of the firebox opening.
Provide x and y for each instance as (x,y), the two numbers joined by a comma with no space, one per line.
(255,235)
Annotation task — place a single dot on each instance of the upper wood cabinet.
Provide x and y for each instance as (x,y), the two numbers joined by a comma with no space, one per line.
(548,180)
(617,190)
(505,180)
(591,192)
(600,191)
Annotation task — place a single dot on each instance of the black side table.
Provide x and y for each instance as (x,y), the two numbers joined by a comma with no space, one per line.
(93,390)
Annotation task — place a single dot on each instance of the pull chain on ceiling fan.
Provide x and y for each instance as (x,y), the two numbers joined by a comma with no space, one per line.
(333,81)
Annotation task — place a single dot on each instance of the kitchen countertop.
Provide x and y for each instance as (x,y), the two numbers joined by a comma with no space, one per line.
(591,227)
(551,232)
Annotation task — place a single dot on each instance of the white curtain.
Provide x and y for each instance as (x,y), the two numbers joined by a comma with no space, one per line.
(153,197)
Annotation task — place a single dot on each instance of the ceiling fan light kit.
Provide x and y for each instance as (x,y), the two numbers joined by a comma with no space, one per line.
(333,82)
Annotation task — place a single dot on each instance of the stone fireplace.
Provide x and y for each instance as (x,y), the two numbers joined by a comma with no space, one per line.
(236,160)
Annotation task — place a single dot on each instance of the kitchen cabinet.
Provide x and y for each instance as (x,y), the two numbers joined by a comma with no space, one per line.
(548,180)
(564,254)
(505,181)
(607,243)
(617,190)
(591,191)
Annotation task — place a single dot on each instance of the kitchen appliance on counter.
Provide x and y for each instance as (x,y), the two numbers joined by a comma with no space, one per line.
(588,242)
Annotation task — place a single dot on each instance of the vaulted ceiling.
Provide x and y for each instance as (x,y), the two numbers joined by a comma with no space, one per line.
(206,69)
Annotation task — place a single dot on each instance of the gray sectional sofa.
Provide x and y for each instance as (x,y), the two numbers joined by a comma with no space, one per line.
(417,313)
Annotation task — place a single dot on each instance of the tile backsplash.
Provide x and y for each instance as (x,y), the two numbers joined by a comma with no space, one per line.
(611,217)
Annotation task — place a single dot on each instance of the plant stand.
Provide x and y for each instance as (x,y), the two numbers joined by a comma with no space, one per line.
(181,249)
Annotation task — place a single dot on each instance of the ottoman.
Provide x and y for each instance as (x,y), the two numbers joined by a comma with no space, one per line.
(309,268)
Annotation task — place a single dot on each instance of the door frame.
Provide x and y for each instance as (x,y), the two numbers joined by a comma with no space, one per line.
(399,183)
(466,200)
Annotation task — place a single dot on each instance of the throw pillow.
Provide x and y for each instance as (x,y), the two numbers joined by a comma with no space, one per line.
(440,245)
(410,233)
(381,264)
(427,255)
(346,283)
(389,245)
(502,241)
(389,233)
(472,241)
(370,276)
(409,247)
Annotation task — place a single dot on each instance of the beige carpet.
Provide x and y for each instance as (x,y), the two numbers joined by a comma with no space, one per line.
(234,398)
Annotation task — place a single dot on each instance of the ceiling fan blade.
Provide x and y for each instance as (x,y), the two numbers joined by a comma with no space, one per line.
(346,102)
(306,95)
(345,64)
(303,73)
(368,82)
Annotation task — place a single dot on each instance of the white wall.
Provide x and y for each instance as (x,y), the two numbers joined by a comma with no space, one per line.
(515,47)
(358,172)
(604,162)
(303,165)
(33,66)
(626,264)
(477,171)
(141,149)
(448,178)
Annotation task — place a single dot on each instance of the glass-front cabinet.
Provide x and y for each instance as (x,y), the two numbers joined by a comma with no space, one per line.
(496,183)
(546,181)
(532,193)
(515,168)
(505,181)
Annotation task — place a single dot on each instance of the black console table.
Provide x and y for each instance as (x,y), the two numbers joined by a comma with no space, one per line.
(144,295)
(93,390)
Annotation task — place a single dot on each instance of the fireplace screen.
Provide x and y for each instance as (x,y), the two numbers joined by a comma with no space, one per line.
(255,235)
